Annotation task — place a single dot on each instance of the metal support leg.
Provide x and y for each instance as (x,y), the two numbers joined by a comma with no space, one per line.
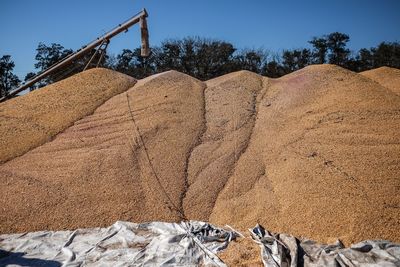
(102,53)
(99,49)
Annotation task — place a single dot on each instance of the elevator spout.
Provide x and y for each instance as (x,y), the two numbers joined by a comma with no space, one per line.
(145,48)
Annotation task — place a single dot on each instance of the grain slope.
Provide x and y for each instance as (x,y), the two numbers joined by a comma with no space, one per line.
(31,120)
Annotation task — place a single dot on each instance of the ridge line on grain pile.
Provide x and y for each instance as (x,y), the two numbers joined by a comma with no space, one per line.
(256,101)
(224,120)
(253,116)
(179,211)
(198,142)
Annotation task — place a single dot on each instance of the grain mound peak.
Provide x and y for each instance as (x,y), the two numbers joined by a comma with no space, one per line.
(386,76)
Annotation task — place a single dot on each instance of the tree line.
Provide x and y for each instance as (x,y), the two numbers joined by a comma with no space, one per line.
(206,59)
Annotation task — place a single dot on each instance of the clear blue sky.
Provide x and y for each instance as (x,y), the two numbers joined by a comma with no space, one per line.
(273,25)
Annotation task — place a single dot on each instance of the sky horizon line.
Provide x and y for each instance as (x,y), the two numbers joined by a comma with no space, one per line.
(270,25)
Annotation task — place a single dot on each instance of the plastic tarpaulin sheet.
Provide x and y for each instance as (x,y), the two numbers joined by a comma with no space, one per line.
(122,244)
(282,250)
(185,244)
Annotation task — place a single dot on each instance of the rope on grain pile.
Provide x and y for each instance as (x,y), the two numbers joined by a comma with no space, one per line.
(180,212)
(234,126)
(234,153)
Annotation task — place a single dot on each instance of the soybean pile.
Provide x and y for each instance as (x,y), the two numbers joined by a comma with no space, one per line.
(315,153)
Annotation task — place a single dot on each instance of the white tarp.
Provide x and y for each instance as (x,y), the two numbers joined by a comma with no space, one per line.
(282,250)
(185,244)
(122,244)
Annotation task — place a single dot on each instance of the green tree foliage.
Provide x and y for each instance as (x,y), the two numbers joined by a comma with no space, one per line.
(320,50)
(213,58)
(386,54)
(296,59)
(133,64)
(206,59)
(49,55)
(29,76)
(365,60)
(200,58)
(252,60)
(331,46)
(338,53)
(273,69)
(8,80)
(124,62)
(169,57)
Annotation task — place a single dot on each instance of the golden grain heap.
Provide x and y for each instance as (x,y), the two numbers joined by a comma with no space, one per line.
(385,76)
(35,118)
(315,153)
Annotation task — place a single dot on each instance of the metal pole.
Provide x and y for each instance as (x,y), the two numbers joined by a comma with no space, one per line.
(107,36)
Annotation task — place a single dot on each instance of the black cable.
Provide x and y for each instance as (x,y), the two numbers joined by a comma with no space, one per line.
(180,212)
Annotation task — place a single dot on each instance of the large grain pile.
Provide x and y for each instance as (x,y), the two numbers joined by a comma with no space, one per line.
(98,171)
(322,162)
(315,153)
(33,119)
(386,76)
